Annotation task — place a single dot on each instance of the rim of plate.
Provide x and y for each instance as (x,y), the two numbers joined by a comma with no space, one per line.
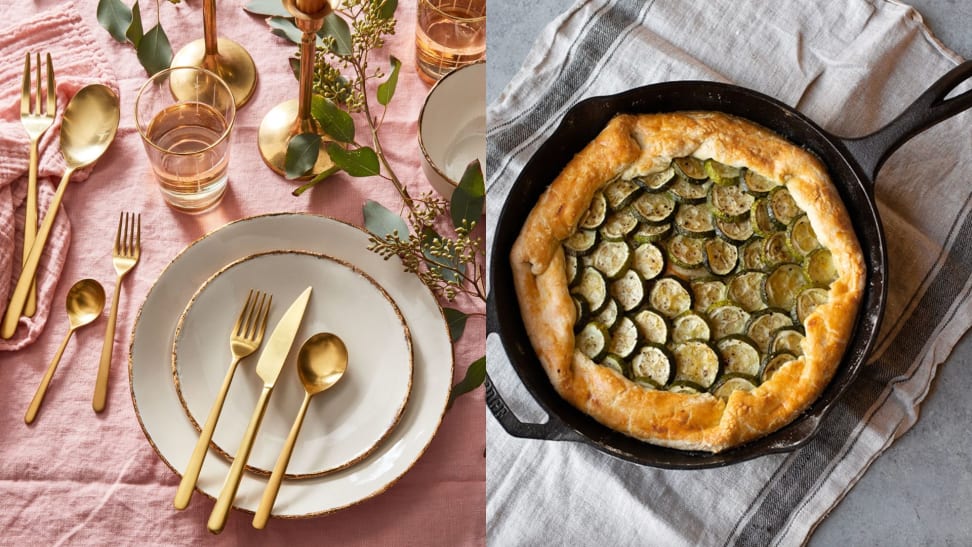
(141,424)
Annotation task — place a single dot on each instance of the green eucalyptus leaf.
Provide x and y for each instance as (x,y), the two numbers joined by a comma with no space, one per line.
(382,222)
(320,177)
(338,28)
(285,28)
(475,376)
(360,162)
(387,9)
(154,50)
(387,89)
(302,152)
(135,31)
(269,8)
(336,122)
(456,319)
(115,17)
(295,67)
(469,197)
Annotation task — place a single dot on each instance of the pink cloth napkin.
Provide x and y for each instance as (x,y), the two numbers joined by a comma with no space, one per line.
(77,62)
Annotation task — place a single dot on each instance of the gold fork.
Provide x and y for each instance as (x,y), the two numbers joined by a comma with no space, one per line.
(36,121)
(246,337)
(128,248)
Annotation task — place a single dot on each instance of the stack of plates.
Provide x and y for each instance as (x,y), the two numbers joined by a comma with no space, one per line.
(360,436)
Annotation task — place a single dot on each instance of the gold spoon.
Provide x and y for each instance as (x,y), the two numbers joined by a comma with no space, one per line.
(88,127)
(85,302)
(320,364)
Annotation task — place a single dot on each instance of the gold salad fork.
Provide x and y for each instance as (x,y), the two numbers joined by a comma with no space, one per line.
(37,121)
(124,256)
(246,337)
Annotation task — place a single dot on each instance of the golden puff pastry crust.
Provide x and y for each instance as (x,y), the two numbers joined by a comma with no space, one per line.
(638,145)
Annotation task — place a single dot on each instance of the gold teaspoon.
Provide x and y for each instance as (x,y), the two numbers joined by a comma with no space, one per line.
(87,129)
(85,302)
(322,361)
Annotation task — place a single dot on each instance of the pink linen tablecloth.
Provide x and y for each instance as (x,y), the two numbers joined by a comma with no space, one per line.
(75,477)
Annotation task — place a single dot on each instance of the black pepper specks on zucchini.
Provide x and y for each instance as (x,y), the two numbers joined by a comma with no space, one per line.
(628,291)
(595,214)
(696,362)
(656,181)
(670,297)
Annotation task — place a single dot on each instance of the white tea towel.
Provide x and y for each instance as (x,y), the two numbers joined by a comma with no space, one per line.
(850,65)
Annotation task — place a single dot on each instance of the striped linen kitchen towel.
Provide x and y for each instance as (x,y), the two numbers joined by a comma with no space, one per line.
(851,66)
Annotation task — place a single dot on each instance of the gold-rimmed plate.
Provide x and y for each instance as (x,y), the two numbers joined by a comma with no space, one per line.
(356,415)
(172,435)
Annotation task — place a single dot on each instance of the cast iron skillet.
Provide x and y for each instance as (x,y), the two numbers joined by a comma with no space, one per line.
(853,165)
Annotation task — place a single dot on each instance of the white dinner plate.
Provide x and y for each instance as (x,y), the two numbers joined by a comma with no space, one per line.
(342,425)
(171,434)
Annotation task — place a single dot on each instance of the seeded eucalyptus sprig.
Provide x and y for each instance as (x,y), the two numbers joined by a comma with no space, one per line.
(449,257)
(125,25)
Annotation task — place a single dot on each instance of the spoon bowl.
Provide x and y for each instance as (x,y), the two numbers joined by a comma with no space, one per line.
(85,302)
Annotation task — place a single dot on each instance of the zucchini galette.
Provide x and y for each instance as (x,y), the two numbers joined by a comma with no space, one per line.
(689,279)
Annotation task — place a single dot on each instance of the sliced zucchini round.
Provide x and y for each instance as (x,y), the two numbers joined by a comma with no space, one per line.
(775,250)
(721,173)
(582,311)
(646,233)
(773,363)
(746,289)
(592,288)
(625,338)
(648,261)
(757,184)
(727,318)
(618,225)
(788,339)
(696,362)
(763,223)
(690,167)
(686,387)
(820,267)
(647,383)
(739,354)
(652,325)
(764,323)
(738,231)
(571,268)
(706,292)
(595,214)
(686,191)
(655,182)
(612,258)
(782,207)
(733,382)
(729,202)
(620,193)
(801,237)
(629,291)
(720,256)
(653,362)
(807,301)
(592,341)
(783,285)
(751,254)
(656,208)
(690,326)
(615,363)
(670,296)
(686,251)
(694,219)
(581,242)
(608,316)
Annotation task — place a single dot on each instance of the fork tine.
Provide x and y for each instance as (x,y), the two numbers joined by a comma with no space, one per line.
(243,314)
(25,88)
(138,233)
(255,317)
(266,315)
(129,233)
(37,99)
(118,233)
(51,88)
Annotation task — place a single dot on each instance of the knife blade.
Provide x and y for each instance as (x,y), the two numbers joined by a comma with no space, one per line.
(268,368)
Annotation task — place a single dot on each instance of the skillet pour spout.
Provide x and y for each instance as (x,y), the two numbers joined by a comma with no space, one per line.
(853,164)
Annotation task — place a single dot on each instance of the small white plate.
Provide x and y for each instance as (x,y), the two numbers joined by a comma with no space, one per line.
(343,424)
(171,434)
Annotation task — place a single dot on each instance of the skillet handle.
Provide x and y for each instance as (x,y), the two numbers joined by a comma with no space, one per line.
(550,430)
(871,151)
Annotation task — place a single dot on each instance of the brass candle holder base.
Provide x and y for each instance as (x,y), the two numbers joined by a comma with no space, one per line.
(233,64)
(277,128)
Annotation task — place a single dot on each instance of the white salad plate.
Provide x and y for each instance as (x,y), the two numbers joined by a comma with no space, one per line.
(172,434)
(342,425)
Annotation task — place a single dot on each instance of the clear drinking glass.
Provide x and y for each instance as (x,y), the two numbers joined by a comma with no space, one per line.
(449,34)
(185,116)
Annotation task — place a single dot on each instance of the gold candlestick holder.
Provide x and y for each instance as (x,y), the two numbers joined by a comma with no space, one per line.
(293,117)
(221,55)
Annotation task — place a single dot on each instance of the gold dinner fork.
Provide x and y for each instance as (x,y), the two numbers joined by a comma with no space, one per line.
(36,121)
(246,337)
(124,256)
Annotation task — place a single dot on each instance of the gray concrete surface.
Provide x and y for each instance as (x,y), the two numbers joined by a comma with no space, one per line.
(919,492)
